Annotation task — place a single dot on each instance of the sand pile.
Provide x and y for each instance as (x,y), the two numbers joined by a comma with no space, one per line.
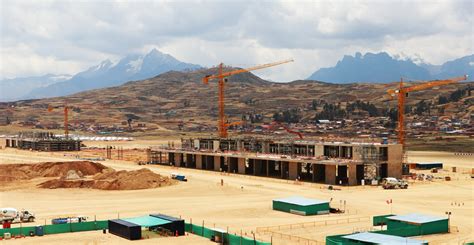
(110,179)
(13,172)
(83,174)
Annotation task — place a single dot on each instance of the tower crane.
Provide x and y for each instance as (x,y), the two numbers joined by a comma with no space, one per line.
(402,93)
(222,125)
(66,119)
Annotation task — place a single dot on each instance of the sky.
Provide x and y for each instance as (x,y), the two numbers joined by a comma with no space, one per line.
(66,37)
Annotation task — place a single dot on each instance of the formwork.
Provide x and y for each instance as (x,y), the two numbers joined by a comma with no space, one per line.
(301,205)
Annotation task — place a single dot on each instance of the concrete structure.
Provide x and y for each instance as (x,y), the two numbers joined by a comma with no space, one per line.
(40,142)
(301,205)
(332,163)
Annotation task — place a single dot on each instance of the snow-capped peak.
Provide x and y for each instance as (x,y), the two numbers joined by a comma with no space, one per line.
(135,65)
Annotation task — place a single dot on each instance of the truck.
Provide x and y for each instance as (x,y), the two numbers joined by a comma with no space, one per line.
(179,177)
(394,183)
(76,219)
(12,215)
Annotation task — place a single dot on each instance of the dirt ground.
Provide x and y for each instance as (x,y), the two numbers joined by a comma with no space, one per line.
(243,203)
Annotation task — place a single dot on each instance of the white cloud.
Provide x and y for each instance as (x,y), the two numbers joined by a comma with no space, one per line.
(40,37)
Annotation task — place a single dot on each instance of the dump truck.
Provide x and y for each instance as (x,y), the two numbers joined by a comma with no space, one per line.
(12,215)
(394,183)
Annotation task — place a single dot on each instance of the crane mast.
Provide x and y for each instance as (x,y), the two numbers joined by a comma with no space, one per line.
(221,75)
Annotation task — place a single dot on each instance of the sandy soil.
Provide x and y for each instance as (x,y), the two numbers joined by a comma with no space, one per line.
(243,203)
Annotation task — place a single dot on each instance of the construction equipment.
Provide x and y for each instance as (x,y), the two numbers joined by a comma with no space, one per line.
(275,123)
(66,119)
(222,125)
(394,183)
(12,215)
(402,93)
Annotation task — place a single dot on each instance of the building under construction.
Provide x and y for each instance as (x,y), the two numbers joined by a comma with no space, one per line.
(347,163)
(41,141)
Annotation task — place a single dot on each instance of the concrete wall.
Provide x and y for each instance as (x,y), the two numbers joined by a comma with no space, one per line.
(215,145)
(352,168)
(178,159)
(319,150)
(330,174)
(293,170)
(199,161)
(217,163)
(395,158)
(241,165)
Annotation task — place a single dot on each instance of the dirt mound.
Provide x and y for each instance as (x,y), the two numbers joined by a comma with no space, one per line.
(114,180)
(83,174)
(12,172)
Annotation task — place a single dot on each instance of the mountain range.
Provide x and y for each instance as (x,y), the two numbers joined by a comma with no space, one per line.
(382,68)
(370,67)
(17,88)
(109,74)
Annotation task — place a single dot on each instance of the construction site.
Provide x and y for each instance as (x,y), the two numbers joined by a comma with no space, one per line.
(234,189)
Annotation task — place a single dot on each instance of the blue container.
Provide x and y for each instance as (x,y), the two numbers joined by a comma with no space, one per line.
(39,230)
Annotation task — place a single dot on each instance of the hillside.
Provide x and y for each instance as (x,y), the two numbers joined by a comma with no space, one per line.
(173,97)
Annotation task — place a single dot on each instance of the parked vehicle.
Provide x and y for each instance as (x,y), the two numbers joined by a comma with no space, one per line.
(394,183)
(179,177)
(12,215)
(77,219)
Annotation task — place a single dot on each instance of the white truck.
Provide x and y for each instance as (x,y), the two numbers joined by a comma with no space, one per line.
(394,183)
(12,215)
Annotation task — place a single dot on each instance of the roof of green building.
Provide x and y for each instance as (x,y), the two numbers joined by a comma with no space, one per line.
(300,201)
(147,221)
(416,218)
(376,238)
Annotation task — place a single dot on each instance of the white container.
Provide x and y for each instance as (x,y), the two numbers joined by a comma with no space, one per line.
(7,235)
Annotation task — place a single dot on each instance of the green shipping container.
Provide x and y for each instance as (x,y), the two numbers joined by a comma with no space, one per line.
(301,206)
(416,224)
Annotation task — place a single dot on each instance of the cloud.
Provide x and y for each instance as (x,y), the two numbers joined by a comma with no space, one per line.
(39,37)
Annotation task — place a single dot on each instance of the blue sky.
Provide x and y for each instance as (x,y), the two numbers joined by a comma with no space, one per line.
(39,37)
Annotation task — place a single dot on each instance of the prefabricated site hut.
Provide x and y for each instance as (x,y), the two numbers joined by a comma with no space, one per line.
(131,228)
(301,205)
(418,224)
(374,238)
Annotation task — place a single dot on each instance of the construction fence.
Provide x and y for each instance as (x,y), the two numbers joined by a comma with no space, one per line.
(228,238)
(56,229)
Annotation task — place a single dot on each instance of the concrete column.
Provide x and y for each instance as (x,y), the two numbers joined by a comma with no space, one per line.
(177,159)
(352,168)
(319,150)
(331,174)
(293,170)
(217,163)
(394,163)
(241,165)
(313,166)
(198,161)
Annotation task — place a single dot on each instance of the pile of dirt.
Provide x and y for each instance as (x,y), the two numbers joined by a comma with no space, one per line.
(82,174)
(110,179)
(14,172)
